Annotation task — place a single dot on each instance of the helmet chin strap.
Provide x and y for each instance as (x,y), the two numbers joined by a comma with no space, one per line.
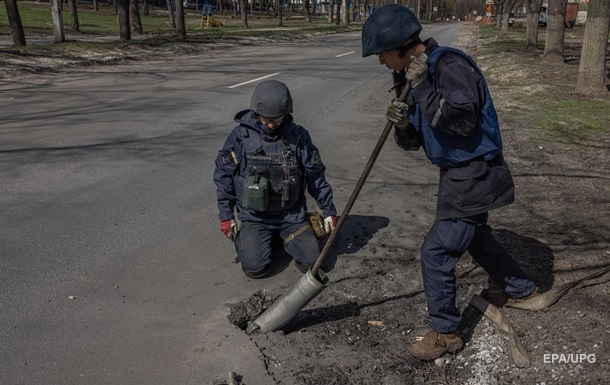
(402,50)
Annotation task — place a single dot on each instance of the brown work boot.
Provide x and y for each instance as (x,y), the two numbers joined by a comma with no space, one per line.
(500,298)
(434,345)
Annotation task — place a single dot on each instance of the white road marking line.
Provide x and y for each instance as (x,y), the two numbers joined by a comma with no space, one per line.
(344,54)
(254,80)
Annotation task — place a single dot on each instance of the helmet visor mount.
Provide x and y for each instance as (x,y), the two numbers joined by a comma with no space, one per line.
(408,45)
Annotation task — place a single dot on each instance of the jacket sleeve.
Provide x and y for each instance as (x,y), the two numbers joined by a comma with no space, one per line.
(317,185)
(407,138)
(225,172)
(453,107)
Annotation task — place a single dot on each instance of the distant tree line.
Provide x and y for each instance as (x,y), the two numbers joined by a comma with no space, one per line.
(592,68)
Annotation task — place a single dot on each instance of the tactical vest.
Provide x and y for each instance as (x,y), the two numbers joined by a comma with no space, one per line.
(446,150)
(276,161)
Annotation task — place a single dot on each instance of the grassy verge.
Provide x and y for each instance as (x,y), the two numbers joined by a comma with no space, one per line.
(538,94)
(36,18)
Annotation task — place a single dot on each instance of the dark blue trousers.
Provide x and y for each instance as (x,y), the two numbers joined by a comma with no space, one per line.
(253,244)
(445,243)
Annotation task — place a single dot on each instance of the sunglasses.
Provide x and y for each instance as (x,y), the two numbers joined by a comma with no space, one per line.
(274,121)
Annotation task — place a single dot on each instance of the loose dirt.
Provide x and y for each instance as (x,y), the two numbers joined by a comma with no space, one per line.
(357,330)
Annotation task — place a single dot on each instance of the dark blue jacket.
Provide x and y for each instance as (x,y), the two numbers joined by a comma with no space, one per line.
(457,126)
(292,142)
(453,147)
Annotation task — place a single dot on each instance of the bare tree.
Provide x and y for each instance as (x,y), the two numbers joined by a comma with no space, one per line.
(508,8)
(58,23)
(465,7)
(180,25)
(172,14)
(592,69)
(73,15)
(555,32)
(338,10)
(244,13)
(135,15)
(499,8)
(344,13)
(533,14)
(123,9)
(307,5)
(15,22)
(357,15)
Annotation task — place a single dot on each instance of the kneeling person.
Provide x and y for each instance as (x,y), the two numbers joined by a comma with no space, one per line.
(262,172)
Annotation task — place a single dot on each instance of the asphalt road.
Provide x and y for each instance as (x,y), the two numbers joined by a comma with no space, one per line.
(112,266)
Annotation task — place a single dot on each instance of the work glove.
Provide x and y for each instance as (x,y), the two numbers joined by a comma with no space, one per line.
(329,223)
(229,228)
(398,114)
(418,70)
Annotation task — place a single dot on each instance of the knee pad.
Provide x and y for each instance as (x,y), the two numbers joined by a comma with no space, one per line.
(255,274)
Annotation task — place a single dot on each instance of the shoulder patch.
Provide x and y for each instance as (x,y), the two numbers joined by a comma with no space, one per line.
(317,159)
(226,159)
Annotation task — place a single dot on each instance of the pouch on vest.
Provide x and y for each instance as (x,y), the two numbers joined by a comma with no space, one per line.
(316,220)
(256,193)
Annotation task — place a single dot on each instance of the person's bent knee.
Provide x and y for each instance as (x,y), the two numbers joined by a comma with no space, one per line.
(259,273)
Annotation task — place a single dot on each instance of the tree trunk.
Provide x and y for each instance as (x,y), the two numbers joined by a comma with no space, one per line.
(338,12)
(555,31)
(135,16)
(123,9)
(533,14)
(180,25)
(307,4)
(58,22)
(244,13)
(73,15)
(592,69)
(95,6)
(171,13)
(14,20)
(499,5)
(507,10)
(280,7)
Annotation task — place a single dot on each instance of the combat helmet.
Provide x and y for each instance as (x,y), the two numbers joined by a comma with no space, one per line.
(271,99)
(388,28)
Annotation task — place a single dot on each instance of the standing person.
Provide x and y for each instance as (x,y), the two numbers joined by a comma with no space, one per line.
(449,112)
(262,172)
